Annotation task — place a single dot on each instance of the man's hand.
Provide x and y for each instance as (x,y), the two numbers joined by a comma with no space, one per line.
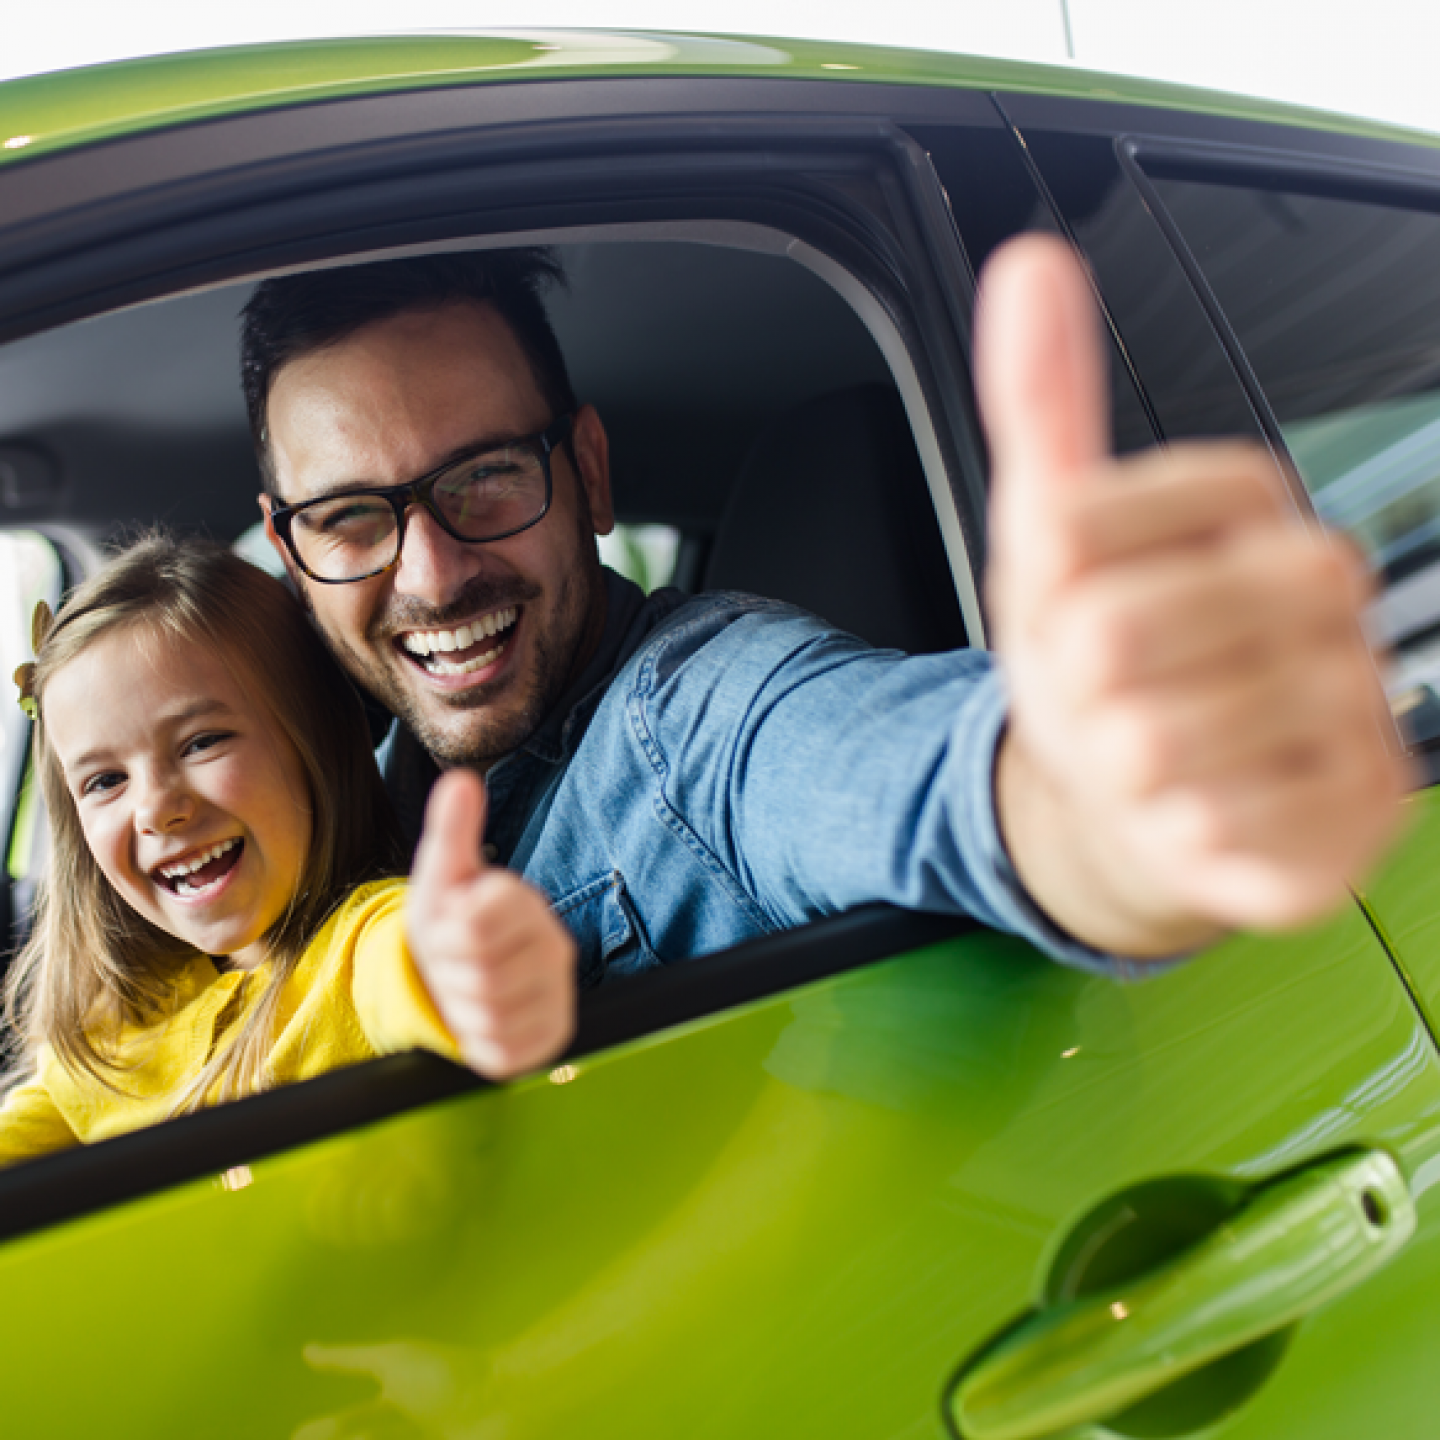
(1196,734)
(498,964)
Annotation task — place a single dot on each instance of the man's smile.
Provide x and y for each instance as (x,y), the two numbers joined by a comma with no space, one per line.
(466,649)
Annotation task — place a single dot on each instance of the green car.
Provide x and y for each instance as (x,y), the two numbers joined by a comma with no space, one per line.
(888,1175)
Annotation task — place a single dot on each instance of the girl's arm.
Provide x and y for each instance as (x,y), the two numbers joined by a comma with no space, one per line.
(31,1124)
(392,1002)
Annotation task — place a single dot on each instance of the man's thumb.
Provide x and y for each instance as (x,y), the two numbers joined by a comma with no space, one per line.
(1039,371)
(450,846)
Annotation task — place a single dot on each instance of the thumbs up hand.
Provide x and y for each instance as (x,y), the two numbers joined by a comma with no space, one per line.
(497,963)
(1195,740)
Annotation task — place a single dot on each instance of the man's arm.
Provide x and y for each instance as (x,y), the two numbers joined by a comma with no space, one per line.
(1195,739)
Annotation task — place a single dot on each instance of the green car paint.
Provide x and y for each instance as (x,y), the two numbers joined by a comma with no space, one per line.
(812,1215)
(1403,899)
(1297,1243)
(800,1217)
(45,113)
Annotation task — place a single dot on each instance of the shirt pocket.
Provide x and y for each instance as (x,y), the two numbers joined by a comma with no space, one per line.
(607,930)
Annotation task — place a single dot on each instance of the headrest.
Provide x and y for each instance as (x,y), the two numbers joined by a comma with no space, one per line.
(831,512)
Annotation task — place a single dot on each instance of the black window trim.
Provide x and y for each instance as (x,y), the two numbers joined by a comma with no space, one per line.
(1117,337)
(1135,157)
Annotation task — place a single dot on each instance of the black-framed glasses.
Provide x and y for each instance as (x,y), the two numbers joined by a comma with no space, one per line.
(490,494)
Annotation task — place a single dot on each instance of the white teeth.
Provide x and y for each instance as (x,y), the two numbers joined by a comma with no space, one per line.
(463,667)
(436,642)
(188,867)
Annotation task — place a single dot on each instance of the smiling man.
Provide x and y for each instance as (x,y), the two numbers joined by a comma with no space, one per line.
(1180,735)
(471,657)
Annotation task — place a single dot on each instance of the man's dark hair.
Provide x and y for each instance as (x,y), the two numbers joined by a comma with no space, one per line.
(297,315)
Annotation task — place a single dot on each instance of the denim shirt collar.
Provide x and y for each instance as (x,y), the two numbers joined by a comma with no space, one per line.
(629,617)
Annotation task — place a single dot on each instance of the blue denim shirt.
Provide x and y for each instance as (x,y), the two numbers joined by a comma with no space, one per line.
(729,766)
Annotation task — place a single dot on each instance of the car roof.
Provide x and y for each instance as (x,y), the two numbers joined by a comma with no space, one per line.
(44,113)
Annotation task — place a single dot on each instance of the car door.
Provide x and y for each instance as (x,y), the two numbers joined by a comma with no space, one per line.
(803,1187)
(802,1213)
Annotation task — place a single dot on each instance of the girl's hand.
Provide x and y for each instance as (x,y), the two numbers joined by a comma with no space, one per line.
(498,964)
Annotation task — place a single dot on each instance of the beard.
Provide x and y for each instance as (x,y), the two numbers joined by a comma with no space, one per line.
(489,721)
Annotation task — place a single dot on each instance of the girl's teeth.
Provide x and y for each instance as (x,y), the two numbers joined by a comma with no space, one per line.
(177,872)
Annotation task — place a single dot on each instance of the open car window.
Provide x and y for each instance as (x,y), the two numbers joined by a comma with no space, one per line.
(688,350)
(693,352)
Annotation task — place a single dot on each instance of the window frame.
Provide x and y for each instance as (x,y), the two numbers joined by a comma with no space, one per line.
(226,200)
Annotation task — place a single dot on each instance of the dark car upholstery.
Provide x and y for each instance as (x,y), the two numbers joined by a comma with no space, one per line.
(830,511)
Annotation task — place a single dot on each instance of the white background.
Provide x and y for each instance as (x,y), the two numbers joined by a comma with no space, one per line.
(1372,57)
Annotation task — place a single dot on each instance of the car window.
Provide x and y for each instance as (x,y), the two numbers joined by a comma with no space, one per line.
(30,571)
(1335,303)
(252,545)
(646,554)
(709,364)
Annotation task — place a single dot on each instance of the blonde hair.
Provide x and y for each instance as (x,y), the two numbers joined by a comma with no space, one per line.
(93,964)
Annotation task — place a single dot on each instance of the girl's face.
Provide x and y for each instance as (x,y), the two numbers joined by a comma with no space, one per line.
(192,799)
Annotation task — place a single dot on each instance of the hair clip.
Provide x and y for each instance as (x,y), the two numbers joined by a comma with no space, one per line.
(25,679)
(41,623)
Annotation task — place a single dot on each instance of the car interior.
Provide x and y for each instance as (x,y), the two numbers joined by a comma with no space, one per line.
(760,442)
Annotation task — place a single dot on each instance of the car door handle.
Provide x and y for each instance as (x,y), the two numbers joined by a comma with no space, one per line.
(1298,1243)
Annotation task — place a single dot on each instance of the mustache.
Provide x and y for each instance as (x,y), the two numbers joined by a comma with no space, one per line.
(478,595)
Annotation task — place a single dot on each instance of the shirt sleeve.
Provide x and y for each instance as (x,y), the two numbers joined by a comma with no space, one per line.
(825,774)
(31,1124)
(393,1005)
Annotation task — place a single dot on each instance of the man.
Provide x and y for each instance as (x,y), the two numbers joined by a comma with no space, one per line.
(1181,735)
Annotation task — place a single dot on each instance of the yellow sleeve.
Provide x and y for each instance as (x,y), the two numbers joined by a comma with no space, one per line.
(31,1124)
(395,1009)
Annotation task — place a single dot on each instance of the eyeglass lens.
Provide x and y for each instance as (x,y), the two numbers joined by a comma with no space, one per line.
(481,498)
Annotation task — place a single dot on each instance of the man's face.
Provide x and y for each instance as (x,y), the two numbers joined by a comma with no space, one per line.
(390,403)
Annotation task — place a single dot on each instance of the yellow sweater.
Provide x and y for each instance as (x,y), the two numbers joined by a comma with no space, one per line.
(355,994)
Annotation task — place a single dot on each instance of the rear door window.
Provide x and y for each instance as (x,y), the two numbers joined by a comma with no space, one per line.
(1333,306)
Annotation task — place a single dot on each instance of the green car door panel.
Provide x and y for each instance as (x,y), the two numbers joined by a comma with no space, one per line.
(797,1217)
(1402,898)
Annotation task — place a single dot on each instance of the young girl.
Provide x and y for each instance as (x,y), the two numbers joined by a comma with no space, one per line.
(216,918)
